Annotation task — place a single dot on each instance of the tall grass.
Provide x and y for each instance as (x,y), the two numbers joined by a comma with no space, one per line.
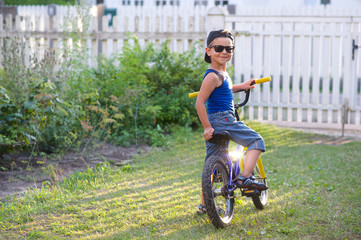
(313,195)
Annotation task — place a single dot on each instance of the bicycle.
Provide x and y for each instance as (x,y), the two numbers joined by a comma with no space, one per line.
(220,175)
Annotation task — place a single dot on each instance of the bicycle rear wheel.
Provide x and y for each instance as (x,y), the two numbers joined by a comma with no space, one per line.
(260,201)
(219,202)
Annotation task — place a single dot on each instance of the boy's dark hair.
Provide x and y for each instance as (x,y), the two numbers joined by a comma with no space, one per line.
(216,34)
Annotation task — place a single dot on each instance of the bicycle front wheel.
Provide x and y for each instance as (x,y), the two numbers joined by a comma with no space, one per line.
(219,202)
(260,201)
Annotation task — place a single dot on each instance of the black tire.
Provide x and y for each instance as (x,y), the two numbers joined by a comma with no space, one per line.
(214,181)
(260,201)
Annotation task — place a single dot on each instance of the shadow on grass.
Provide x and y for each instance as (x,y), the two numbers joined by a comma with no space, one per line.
(309,197)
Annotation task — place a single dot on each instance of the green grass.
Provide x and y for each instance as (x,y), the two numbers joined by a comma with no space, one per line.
(314,194)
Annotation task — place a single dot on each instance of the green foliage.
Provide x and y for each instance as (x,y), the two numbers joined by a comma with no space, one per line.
(37,113)
(52,102)
(148,100)
(10,121)
(32,114)
(49,109)
(172,76)
(51,119)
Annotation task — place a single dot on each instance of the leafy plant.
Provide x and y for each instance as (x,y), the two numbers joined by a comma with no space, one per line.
(151,99)
(58,100)
(32,113)
(10,122)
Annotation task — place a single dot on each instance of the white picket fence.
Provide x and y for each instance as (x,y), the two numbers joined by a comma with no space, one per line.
(42,10)
(308,52)
(310,60)
(181,26)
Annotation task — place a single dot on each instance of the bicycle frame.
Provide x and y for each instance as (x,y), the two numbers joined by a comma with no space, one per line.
(236,166)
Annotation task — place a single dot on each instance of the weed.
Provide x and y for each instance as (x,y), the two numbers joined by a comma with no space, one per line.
(50,171)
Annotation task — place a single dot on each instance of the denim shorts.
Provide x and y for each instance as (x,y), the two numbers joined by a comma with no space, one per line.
(239,133)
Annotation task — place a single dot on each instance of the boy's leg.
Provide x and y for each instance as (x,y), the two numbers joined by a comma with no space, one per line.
(245,180)
(247,137)
(251,160)
(212,149)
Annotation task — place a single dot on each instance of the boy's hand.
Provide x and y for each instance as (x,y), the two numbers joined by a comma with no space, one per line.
(208,133)
(244,86)
(249,84)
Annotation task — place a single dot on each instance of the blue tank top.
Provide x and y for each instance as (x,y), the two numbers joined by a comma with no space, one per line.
(221,99)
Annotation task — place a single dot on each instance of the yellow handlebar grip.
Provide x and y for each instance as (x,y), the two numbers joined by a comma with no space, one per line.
(262,80)
(193,94)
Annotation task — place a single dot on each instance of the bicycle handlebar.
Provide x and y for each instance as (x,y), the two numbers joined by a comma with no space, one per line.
(262,80)
(193,94)
(256,81)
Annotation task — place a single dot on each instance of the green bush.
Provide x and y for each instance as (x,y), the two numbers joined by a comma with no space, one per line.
(32,113)
(172,77)
(133,97)
(42,120)
(151,98)
(10,122)
(57,120)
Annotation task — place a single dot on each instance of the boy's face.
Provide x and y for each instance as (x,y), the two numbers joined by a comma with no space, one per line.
(213,50)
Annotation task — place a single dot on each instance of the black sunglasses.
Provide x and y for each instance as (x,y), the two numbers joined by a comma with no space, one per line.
(220,48)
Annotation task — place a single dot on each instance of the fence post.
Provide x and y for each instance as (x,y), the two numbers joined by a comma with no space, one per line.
(215,18)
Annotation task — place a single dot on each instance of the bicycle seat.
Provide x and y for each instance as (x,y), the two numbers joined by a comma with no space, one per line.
(219,136)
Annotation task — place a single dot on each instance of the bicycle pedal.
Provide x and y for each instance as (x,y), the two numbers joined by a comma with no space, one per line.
(251,192)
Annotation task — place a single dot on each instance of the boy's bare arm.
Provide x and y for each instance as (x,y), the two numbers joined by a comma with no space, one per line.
(243,86)
(208,129)
(208,85)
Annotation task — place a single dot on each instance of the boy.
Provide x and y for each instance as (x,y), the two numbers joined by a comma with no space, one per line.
(216,91)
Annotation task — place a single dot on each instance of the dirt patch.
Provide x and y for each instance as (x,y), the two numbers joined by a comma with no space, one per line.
(335,140)
(18,173)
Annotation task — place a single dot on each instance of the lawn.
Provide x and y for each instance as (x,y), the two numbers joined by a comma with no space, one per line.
(314,194)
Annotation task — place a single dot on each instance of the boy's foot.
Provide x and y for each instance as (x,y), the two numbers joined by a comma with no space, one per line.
(250,183)
(202,210)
